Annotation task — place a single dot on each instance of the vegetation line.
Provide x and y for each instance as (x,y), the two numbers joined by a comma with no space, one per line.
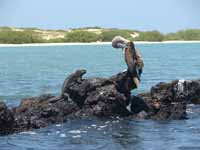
(10,35)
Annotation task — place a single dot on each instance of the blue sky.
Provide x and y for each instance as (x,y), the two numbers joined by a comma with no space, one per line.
(162,15)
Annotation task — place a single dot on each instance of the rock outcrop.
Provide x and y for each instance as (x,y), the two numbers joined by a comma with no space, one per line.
(100,97)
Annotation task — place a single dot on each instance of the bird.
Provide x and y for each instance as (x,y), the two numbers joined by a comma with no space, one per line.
(132,57)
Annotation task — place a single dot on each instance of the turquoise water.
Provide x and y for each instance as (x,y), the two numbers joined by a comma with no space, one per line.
(31,71)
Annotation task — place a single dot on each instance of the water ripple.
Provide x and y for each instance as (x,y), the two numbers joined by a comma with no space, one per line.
(31,71)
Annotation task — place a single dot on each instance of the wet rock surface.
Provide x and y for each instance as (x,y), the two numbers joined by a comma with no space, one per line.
(100,97)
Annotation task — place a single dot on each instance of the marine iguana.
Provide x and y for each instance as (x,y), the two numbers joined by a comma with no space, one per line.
(74,77)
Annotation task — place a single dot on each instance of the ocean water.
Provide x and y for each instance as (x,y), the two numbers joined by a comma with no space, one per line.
(31,71)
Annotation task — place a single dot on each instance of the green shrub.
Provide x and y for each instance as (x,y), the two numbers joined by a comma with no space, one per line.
(28,35)
(150,36)
(190,34)
(18,37)
(5,29)
(57,40)
(110,34)
(82,36)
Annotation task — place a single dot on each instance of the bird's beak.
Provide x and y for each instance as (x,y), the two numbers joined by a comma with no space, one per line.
(120,45)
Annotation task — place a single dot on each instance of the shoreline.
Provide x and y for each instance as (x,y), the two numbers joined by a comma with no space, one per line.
(93,43)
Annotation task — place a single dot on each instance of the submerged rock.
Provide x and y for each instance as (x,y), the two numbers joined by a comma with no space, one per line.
(100,97)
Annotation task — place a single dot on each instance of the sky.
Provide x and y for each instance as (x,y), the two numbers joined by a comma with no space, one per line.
(162,15)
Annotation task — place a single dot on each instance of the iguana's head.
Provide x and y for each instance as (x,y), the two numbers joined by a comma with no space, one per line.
(80,72)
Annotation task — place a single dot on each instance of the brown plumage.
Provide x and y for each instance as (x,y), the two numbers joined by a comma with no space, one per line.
(134,62)
(132,57)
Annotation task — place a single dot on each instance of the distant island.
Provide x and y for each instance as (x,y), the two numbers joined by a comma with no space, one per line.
(12,35)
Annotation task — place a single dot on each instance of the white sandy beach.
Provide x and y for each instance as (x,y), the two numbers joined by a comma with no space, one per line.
(94,43)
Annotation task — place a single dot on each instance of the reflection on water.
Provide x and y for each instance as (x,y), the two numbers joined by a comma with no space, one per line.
(31,71)
(127,136)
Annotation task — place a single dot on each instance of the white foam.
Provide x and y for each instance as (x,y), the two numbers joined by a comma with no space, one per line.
(94,125)
(107,122)
(75,131)
(76,136)
(115,121)
(62,135)
(28,132)
(103,126)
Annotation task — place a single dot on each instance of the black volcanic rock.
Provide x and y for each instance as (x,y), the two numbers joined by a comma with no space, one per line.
(38,112)
(100,97)
(6,119)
